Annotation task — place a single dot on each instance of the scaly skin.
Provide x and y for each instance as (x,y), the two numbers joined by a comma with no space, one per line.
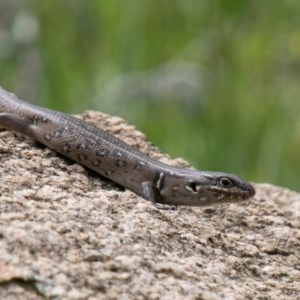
(116,160)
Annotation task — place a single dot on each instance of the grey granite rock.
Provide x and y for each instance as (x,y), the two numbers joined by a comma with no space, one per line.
(66,233)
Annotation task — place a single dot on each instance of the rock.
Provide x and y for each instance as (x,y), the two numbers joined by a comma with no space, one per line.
(67,233)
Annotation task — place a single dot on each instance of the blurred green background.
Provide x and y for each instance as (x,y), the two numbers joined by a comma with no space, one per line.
(215,82)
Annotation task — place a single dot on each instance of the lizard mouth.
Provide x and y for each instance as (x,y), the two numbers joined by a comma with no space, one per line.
(233,193)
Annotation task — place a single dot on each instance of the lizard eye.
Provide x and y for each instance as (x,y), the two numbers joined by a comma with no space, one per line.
(226,182)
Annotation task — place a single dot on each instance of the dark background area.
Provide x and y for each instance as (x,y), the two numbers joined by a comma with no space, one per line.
(215,82)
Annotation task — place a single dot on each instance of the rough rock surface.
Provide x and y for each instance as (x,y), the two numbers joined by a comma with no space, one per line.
(66,233)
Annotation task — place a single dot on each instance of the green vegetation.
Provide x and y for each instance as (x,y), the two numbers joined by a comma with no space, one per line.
(215,82)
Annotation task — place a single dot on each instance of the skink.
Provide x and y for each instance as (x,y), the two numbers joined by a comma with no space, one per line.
(163,185)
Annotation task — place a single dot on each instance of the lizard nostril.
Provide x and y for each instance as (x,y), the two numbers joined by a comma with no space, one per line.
(251,190)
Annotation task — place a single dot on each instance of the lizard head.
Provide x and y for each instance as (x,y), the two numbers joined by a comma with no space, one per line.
(201,188)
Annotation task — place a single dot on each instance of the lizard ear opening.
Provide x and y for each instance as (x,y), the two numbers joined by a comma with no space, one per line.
(192,187)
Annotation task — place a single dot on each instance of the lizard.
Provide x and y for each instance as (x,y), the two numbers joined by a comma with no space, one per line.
(164,186)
